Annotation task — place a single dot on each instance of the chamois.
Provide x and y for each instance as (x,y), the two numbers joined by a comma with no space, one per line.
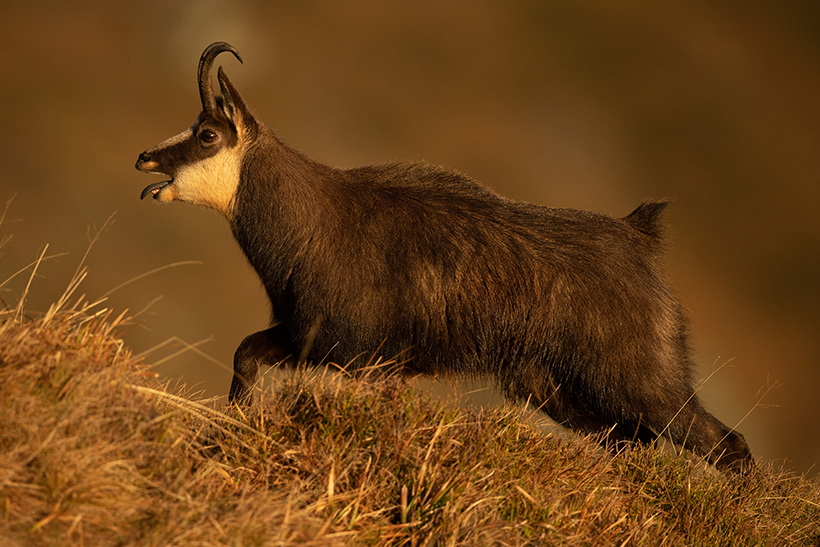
(565,308)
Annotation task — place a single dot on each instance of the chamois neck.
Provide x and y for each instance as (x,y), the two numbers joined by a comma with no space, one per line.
(282,197)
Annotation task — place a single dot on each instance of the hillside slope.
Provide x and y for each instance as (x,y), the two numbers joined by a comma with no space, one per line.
(94,451)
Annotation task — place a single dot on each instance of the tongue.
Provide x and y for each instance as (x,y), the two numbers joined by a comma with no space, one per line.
(154,188)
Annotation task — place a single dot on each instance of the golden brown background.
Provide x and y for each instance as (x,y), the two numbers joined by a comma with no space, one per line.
(593,105)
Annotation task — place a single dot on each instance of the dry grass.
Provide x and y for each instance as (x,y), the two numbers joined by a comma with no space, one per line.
(94,451)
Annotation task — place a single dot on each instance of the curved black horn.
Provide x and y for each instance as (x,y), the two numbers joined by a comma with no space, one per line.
(206,89)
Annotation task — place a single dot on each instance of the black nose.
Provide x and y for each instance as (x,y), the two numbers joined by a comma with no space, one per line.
(144,157)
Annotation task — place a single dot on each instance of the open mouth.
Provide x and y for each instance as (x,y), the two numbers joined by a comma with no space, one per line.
(155,188)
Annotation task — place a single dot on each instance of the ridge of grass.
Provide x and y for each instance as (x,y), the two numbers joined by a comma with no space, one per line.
(94,450)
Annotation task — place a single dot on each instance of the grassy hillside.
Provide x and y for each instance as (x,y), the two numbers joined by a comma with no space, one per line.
(94,451)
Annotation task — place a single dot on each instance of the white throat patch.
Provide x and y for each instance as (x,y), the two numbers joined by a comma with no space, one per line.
(211,182)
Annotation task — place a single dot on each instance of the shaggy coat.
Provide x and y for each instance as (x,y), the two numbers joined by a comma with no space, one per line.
(567,309)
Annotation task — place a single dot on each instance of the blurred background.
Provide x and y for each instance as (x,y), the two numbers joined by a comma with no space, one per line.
(590,105)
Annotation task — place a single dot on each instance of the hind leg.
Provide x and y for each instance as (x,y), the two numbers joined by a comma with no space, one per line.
(703,434)
(616,436)
(693,428)
(268,347)
(530,384)
(542,393)
(666,410)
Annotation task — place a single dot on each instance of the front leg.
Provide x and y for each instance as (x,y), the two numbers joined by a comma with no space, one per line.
(268,347)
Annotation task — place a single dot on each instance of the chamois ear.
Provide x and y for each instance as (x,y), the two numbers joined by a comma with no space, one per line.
(232,104)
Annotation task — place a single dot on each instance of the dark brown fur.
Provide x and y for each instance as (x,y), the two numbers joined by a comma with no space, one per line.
(566,308)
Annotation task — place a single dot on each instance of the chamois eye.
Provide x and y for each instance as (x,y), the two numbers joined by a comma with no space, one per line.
(207,136)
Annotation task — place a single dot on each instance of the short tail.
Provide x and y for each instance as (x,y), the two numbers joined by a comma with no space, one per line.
(647,218)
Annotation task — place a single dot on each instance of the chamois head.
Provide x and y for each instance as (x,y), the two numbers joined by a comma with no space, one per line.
(204,161)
